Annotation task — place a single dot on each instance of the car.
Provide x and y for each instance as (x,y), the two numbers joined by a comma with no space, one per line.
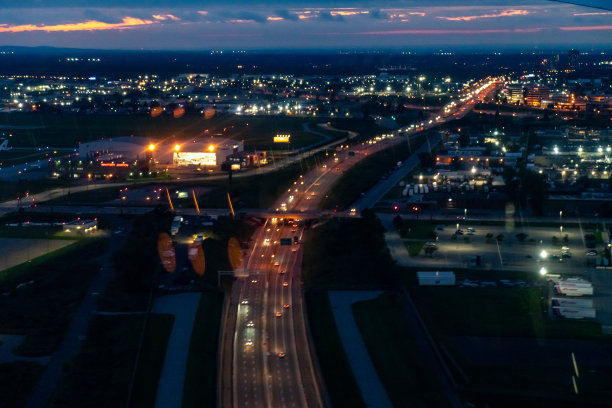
(253,280)
(458,232)
(248,343)
(285,284)
(278,314)
(244,302)
(293,249)
(566,255)
(276,263)
(286,306)
(440,227)
(281,271)
(250,324)
(592,252)
(281,354)
(267,241)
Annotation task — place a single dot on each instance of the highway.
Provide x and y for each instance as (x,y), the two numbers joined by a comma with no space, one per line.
(265,338)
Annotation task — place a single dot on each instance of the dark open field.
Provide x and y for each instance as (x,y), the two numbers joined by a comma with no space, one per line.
(64,130)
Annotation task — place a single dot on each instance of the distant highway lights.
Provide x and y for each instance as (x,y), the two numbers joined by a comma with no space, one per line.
(543,271)
(543,254)
(560,221)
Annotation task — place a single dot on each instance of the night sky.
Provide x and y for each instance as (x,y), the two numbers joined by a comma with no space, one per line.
(246,25)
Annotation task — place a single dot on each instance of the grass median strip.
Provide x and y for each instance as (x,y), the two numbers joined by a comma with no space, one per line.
(407,379)
(201,375)
(151,359)
(341,385)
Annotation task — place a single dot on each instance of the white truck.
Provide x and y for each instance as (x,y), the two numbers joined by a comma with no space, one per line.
(176,225)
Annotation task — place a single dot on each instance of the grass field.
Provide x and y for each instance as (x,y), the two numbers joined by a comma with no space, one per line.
(10,190)
(495,312)
(347,252)
(201,373)
(406,377)
(52,286)
(341,385)
(100,374)
(17,381)
(151,360)
(66,130)
(508,323)
(365,174)
(260,191)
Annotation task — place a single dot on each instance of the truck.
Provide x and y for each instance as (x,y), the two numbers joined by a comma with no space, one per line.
(176,225)
(575,313)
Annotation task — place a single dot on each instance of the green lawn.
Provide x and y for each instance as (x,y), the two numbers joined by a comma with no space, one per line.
(347,252)
(69,130)
(337,374)
(14,157)
(494,312)
(12,189)
(414,248)
(100,374)
(43,308)
(17,380)
(151,359)
(136,265)
(407,378)
(260,191)
(365,174)
(513,313)
(201,374)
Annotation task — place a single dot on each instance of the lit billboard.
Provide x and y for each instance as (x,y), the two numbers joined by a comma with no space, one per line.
(195,159)
(282,138)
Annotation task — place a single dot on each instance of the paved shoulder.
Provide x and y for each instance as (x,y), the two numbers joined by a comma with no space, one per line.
(372,390)
(184,307)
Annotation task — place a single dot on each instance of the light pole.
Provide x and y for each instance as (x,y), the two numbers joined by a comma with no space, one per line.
(560,222)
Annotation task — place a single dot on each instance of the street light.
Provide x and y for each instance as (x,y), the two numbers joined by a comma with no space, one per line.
(543,271)
(560,221)
(543,254)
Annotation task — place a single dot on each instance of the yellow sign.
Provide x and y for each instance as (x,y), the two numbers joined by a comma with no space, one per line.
(282,138)
(235,166)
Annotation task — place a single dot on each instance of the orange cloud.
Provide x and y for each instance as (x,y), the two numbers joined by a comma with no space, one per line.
(91,25)
(586,28)
(165,17)
(347,12)
(239,20)
(506,13)
(592,14)
(275,18)
(202,12)
(442,32)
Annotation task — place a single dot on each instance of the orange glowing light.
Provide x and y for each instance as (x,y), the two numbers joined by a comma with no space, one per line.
(177,147)
(151,147)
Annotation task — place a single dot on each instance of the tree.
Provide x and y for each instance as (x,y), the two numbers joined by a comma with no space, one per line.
(430,249)
(398,222)
(521,236)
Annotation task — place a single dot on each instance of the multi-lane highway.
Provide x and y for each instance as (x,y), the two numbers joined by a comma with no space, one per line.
(265,352)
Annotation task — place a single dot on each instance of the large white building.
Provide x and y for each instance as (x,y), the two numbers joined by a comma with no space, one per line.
(193,152)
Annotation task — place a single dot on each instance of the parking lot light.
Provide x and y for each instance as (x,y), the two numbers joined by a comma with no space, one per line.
(543,271)
(543,254)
